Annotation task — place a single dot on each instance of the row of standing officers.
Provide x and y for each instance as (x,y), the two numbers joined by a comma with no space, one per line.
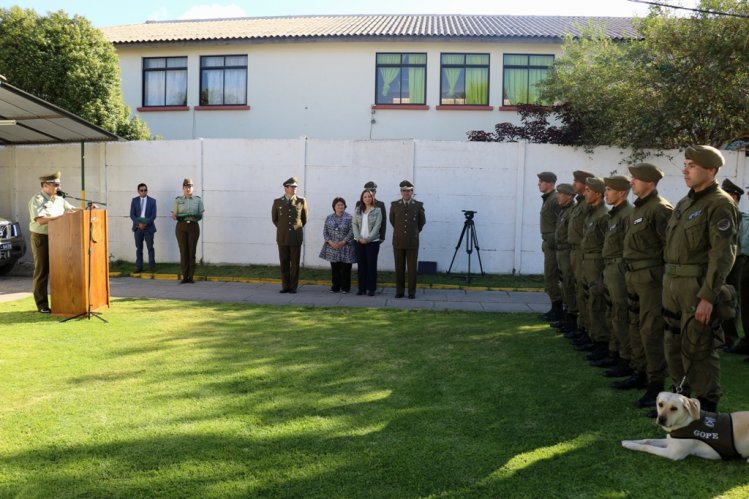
(642,286)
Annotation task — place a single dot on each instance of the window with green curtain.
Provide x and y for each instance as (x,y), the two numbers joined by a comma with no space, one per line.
(400,78)
(465,79)
(521,75)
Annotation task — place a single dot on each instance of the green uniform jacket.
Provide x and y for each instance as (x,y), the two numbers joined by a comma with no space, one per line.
(646,234)
(188,208)
(613,244)
(549,213)
(562,229)
(703,230)
(577,222)
(596,226)
(407,220)
(289,217)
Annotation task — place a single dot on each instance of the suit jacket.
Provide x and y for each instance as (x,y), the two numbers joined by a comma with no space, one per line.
(150,213)
(289,219)
(407,221)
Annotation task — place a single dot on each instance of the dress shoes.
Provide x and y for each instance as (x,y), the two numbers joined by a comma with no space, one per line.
(184,281)
(411,297)
(283,290)
(399,295)
(370,293)
(138,271)
(191,281)
(361,292)
(44,310)
(292,291)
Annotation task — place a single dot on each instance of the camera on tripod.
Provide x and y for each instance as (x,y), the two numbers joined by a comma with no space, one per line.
(472,241)
(469,214)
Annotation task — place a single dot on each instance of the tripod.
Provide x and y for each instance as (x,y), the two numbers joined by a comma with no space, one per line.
(469,232)
(89,313)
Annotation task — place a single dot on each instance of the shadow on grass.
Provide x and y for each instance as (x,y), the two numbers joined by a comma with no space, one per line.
(298,402)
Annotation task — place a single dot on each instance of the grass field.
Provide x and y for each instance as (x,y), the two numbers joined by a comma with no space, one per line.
(188,399)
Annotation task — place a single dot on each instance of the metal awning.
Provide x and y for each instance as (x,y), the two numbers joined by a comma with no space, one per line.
(26,119)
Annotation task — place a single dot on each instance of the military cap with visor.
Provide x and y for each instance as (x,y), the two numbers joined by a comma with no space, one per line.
(646,172)
(291,182)
(732,188)
(370,185)
(52,177)
(705,156)
(406,185)
(187,182)
(617,182)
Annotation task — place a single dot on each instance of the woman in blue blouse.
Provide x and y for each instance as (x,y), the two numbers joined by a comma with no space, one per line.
(367,221)
(338,247)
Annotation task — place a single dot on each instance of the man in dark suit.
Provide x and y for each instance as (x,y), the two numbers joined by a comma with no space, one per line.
(143,215)
(289,215)
(407,218)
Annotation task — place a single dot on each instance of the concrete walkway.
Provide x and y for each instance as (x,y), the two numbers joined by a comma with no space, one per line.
(17,287)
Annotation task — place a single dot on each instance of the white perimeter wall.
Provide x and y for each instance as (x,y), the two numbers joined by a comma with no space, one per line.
(239,178)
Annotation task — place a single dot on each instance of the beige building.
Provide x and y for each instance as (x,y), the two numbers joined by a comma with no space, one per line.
(431,77)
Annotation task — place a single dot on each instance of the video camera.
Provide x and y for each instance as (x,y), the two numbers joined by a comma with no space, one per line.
(469,214)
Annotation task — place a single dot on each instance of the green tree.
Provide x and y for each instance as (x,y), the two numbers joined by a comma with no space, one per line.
(69,63)
(684,81)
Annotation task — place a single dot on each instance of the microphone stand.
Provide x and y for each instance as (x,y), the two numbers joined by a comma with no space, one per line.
(89,206)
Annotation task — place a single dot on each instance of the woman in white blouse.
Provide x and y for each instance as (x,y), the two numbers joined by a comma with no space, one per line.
(367,221)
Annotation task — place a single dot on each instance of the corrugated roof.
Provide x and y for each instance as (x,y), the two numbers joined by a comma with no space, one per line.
(366,26)
(31,120)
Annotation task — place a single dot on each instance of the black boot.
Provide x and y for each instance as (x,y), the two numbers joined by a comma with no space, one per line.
(648,400)
(570,323)
(611,359)
(584,345)
(555,313)
(620,370)
(600,350)
(636,380)
(707,405)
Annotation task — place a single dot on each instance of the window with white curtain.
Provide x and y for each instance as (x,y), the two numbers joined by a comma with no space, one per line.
(223,80)
(164,81)
(521,74)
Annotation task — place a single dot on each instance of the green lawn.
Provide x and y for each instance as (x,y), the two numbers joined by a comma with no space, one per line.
(178,399)
(503,281)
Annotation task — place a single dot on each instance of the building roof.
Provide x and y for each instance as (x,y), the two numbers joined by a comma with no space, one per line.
(367,26)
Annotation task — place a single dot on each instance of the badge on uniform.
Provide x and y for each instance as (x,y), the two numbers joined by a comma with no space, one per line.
(723,224)
(637,221)
(694,215)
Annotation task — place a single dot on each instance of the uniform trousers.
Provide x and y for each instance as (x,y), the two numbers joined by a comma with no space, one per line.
(40,250)
(551,272)
(618,309)
(405,258)
(647,329)
(289,257)
(576,259)
(692,352)
(187,234)
(366,261)
(140,237)
(564,262)
(598,329)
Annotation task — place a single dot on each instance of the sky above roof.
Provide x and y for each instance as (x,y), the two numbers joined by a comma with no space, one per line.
(138,11)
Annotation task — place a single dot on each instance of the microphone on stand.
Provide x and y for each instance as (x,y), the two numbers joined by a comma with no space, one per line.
(62,194)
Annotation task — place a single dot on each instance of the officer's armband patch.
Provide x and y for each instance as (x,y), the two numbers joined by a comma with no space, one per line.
(723,224)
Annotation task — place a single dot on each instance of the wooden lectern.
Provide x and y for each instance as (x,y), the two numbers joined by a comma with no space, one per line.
(79,285)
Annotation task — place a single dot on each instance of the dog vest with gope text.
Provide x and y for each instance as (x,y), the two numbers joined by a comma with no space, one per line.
(715,429)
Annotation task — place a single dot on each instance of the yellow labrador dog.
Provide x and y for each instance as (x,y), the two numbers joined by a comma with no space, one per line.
(692,432)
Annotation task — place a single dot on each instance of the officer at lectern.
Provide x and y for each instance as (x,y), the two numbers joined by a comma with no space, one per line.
(43,208)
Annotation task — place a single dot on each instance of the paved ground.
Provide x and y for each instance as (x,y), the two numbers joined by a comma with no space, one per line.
(17,287)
